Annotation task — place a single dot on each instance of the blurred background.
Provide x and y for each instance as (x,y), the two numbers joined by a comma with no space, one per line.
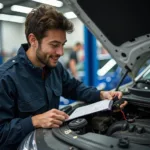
(95,66)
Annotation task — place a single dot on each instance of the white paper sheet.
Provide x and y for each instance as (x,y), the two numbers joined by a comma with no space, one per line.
(91,108)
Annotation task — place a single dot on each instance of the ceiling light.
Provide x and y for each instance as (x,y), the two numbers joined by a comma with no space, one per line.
(1,5)
(55,3)
(22,9)
(111,63)
(70,15)
(12,18)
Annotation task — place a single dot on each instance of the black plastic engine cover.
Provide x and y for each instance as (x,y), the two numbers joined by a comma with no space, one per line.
(137,132)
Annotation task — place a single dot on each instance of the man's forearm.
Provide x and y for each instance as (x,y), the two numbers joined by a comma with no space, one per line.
(14,132)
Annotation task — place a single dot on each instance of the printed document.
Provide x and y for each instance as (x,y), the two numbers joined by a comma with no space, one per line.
(91,108)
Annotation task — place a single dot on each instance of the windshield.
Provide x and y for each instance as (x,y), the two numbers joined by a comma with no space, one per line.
(146,74)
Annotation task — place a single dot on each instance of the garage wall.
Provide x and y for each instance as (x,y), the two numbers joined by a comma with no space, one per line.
(77,35)
(13,35)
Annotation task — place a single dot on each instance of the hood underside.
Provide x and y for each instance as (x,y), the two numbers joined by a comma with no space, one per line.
(122,26)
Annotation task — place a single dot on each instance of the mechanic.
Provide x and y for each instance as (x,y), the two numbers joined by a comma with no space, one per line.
(32,82)
(74,59)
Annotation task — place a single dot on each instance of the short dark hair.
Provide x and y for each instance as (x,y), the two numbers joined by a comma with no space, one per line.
(44,18)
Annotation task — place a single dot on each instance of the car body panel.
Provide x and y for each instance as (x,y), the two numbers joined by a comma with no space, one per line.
(64,138)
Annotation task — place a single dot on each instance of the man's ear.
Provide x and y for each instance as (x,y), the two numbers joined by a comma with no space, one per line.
(32,40)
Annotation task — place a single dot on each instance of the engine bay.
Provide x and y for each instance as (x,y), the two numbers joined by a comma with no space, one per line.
(130,125)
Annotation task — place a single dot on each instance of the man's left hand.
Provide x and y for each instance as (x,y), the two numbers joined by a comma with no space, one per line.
(111,95)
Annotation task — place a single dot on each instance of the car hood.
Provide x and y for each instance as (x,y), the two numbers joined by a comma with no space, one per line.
(123,28)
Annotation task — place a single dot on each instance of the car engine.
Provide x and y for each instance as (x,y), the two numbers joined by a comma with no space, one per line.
(132,123)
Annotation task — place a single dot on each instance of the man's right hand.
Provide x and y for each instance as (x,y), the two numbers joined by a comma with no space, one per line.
(50,119)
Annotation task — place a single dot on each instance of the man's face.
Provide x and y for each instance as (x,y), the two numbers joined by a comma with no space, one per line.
(51,48)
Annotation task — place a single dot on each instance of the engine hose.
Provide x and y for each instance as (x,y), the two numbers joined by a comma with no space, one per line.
(117,126)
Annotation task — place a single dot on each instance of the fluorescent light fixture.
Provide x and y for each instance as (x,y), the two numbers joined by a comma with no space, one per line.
(106,67)
(70,15)
(21,9)
(55,3)
(12,18)
(1,5)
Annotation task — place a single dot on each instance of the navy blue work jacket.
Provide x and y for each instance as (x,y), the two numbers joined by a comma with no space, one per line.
(24,93)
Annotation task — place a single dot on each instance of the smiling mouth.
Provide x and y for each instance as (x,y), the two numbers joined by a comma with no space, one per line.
(54,59)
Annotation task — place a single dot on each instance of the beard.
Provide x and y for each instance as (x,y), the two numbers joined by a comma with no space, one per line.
(44,58)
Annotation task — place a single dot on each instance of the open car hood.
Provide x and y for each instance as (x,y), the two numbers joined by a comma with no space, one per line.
(123,27)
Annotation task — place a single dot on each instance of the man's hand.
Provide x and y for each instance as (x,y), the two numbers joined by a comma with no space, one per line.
(111,95)
(50,119)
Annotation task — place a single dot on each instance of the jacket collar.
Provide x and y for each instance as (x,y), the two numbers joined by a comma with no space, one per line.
(23,56)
